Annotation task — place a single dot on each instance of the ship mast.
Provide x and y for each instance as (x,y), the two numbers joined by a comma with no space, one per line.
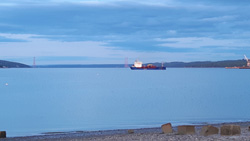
(248,62)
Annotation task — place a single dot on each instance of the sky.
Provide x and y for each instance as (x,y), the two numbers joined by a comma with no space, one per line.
(108,31)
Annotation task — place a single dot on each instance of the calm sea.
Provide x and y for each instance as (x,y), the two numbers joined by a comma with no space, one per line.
(34,101)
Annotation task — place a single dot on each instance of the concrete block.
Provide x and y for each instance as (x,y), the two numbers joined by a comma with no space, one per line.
(209,130)
(131,131)
(167,128)
(230,130)
(2,134)
(186,129)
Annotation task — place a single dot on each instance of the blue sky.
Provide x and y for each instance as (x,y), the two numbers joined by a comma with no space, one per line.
(108,31)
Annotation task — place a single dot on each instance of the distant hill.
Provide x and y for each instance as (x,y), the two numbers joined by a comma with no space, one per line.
(204,64)
(8,64)
(198,64)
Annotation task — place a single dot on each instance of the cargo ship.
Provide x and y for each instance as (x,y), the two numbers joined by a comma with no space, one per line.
(243,67)
(138,66)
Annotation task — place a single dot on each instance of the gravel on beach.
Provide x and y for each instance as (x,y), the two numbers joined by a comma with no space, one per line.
(145,134)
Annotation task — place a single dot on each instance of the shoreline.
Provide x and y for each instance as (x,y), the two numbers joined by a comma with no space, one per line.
(154,133)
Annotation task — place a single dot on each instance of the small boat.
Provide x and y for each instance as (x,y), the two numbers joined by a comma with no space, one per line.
(138,66)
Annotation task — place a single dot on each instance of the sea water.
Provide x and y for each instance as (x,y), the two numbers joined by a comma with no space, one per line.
(33,101)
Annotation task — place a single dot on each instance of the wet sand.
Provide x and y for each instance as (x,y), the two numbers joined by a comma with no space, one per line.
(144,134)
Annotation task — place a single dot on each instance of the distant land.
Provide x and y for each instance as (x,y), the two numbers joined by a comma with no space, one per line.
(8,64)
(205,64)
(197,64)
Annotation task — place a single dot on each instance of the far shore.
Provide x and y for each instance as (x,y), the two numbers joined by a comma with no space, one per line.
(148,134)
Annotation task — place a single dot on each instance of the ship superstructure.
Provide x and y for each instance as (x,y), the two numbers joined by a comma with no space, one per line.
(137,64)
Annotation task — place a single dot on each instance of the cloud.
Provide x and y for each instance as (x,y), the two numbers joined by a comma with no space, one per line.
(94,2)
(25,37)
(220,19)
(204,42)
(87,52)
(124,28)
(126,19)
(44,47)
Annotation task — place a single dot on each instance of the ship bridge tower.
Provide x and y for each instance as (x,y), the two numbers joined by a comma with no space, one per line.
(34,62)
(248,61)
(138,64)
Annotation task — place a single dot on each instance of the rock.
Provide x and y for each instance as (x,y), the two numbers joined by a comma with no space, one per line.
(131,131)
(248,128)
(2,134)
(167,128)
(230,130)
(186,129)
(209,130)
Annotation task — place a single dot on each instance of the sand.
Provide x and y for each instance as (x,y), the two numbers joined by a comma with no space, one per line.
(145,134)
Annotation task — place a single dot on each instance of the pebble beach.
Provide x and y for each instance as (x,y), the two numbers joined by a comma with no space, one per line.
(145,134)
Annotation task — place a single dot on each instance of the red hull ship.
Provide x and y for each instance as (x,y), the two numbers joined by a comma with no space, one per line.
(138,66)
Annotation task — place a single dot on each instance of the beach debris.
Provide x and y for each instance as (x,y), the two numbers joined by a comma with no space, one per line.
(2,134)
(131,131)
(230,130)
(186,129)
(167,128)
(209,130)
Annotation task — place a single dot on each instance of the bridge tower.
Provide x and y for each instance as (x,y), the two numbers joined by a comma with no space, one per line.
(126,62)
(34,62)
